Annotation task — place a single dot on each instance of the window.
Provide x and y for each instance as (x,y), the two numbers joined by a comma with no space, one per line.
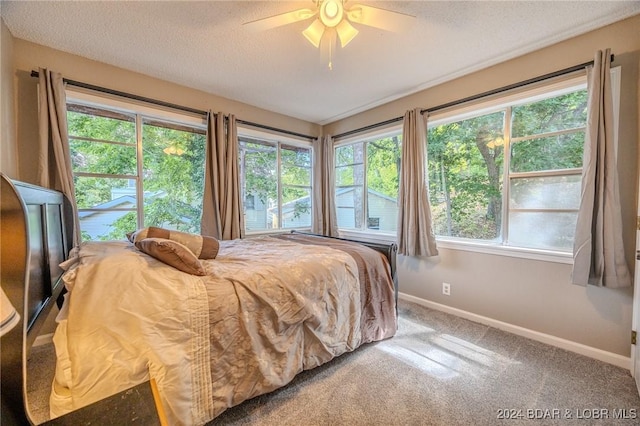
(133,170)
(367,180)
(510,175)
(275,181)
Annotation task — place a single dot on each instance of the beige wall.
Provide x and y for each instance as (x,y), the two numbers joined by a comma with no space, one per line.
(528,293)
(29,56)
(8,146)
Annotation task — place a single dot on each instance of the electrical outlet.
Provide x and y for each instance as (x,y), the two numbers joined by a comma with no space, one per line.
(446,289)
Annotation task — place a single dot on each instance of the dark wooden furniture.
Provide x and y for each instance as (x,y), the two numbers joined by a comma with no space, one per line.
(36,234)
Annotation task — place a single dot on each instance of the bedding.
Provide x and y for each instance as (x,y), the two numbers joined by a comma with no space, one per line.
(172,253)
(203,247)
(267,309)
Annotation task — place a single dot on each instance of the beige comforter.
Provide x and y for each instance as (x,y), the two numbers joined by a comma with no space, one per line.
(267,310)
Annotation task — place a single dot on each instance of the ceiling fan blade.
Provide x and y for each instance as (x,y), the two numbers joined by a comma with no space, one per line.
(379,18)
(280,20)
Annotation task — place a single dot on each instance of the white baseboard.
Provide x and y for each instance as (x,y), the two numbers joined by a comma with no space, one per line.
(43,339)
(599,354)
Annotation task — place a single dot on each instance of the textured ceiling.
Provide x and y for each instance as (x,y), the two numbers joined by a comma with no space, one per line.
(204,45)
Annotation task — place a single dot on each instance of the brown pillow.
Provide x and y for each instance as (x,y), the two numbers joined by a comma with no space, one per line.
(172,253)
(203,247)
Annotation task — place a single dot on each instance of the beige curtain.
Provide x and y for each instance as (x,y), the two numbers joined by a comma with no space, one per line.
(598,253)
(222,215)
(324,219)
(54,160)
(415,233)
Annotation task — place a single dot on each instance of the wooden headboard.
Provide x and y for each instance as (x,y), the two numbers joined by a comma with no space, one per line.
(36,235)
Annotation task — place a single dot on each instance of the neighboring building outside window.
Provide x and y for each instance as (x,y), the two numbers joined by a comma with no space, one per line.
(511,175)
(276,182)
(133,169)
(367,180)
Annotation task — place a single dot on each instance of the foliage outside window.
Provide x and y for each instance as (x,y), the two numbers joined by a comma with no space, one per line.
(132,171)
(528,197)
(367,181)
(276,184)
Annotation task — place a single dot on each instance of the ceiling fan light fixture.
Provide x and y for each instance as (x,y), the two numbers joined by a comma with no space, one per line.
(332,15)
(331,12)
(314,32)
(346,32)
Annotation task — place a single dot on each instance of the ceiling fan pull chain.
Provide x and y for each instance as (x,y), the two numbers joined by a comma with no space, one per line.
(330,57)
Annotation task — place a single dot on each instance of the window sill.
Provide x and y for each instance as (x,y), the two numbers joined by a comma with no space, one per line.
(477,247)
(500,250)
(370,237)
(251,234)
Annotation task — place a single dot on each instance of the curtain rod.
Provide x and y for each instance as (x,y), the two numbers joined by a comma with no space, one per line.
(127,95)
(275,129)
(475,97)
(369,127)
(166,104)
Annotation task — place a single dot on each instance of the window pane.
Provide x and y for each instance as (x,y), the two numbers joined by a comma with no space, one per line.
(173,180)
(296,200)
(553,231)
(259,171)
(103,158)
(350,175)
(121,129)
(552,153)
(105,194)
(383,178)
(465,163)
(350,166)
(296,207)
(106,225)
(349,206)
(350,185)
(552,192)
(296,165)
(562,112)
(97,156)
(349,154)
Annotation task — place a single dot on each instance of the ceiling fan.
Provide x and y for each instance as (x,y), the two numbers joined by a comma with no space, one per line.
(335,15)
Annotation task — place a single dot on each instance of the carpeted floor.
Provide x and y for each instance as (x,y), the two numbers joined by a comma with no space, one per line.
(438,370)
(41,368)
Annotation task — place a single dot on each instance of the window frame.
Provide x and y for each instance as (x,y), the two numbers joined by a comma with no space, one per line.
(365,233)
(277,139)
(557,87)
(142,113)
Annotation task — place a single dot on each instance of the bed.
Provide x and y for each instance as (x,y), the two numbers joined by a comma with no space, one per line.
(266,309)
